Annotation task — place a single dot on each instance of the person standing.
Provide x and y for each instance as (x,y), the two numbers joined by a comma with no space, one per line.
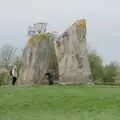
(14,75)
(50,78)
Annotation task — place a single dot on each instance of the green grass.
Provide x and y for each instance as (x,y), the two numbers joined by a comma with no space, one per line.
(59,103)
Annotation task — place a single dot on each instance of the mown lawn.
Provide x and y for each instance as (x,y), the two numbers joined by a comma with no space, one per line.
(59,103)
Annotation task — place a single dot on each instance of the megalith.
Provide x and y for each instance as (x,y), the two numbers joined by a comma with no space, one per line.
(39,57)
(66,57)
(71,51)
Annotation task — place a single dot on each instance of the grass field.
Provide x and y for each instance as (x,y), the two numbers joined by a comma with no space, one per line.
(60,103)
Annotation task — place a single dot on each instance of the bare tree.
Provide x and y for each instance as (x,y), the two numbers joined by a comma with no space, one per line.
(7,55)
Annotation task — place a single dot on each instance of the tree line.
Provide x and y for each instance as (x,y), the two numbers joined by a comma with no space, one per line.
(103,73)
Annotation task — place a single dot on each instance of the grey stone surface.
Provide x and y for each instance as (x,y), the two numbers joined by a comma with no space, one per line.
(67,57)
(37,62)
(71,50)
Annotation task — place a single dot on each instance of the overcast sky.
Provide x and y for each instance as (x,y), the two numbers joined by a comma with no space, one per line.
(103,18)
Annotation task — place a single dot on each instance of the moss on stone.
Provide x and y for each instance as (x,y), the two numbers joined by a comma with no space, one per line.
(41,36)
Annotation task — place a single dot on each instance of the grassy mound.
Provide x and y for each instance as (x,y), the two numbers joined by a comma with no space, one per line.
(4,78)
(60,103)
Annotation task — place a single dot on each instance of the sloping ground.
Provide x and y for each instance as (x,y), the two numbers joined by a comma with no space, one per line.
(60,103)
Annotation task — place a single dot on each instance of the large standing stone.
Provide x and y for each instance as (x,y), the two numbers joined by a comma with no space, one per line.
(38,59)
(69,57)
(71,50)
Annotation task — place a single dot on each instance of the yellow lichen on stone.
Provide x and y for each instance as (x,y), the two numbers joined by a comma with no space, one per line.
(41,36)
(82,23)
(29,42)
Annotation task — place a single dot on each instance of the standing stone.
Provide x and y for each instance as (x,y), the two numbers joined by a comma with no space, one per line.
(71,50)
(66,58)
(38,59)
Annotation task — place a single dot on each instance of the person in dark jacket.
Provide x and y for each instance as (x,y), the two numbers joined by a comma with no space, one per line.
(50,78)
